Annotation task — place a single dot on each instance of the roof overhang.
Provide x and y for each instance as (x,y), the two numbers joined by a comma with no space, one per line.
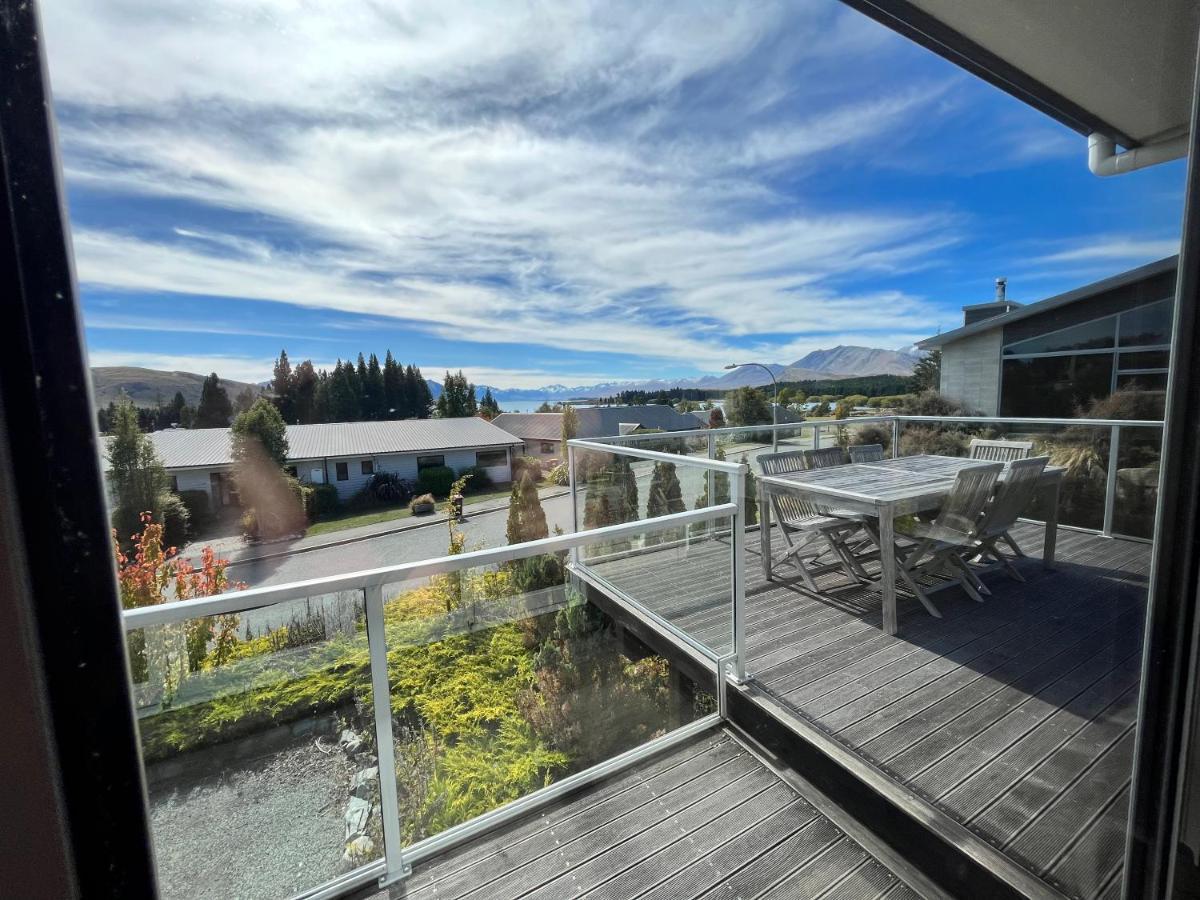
(1118,68)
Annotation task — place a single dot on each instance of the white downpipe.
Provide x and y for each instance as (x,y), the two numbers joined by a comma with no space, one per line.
(1103,158)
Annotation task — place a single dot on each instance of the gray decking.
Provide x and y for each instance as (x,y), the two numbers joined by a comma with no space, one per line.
(1015,717)
(705,820)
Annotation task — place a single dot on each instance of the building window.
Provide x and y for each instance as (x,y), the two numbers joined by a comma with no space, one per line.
(175,483)
(291,470)
(368,467)
(343,471)
(1058,373)
(489,459)
(428,462)
(548,447)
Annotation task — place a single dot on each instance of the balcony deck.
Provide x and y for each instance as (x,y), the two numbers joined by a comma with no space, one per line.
(706,819)
(1015,717)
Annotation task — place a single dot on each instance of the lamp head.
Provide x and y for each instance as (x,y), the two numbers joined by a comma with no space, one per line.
(732,366)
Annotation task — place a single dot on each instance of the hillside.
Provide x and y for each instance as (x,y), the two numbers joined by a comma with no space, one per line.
(146,387)
(843,360)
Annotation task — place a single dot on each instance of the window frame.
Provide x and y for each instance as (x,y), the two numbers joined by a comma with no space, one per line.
(424,463)
(341,471)
(366,467)
(479,454)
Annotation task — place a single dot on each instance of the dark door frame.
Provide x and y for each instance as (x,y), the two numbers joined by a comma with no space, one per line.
(50,443)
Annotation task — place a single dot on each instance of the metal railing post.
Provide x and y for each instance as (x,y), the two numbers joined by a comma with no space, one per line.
(385,749)
(711,478)
(895,438)
(574,500)
(737,496)
(1110,488)
(774,437)
(816,437)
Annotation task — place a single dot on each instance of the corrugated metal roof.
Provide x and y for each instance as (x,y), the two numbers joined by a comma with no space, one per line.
(531,426)
(180,448)
(606,421)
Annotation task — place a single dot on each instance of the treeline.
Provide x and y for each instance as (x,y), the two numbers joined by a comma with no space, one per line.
(365,391)
(867,385)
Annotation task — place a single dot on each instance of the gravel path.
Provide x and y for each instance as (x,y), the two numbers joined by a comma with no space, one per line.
(269,827)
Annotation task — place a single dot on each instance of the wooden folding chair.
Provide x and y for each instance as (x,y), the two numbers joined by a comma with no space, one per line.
(1011,499)
(808,531)
(1000,451)
(866,453)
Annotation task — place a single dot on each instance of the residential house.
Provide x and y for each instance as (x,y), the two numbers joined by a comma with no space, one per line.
(344,454)
(541,433)
(1051,357)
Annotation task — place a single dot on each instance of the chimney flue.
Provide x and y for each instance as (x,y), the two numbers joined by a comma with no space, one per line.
(1001,283)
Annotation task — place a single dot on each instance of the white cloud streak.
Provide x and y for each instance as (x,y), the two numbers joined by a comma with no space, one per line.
(536,174)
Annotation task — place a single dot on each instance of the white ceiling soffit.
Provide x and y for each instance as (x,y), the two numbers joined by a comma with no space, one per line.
(1123,68)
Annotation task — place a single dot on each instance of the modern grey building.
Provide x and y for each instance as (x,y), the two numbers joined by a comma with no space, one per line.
(1052,357)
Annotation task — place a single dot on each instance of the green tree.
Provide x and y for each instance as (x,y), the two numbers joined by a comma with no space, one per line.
(927,372)
(395,399)
(245,399)
(214,410)
(570,427)
(665,497)
(526,518)
(716,418)
(488,407)
(136,475)
(421,398)
(612,495)
(375,405)
(747,406)
(262,425)
(284,385)
(457,399)
(821,410)
(304,390)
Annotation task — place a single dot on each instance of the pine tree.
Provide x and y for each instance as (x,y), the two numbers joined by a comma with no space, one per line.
(284,387)
(666,497)
(526,518)
(137,477)
(374,401)
(304,389)
(488,407)
(570,427)
(214,410)
(394,400)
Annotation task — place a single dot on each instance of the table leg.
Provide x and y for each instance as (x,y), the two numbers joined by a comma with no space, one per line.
(764,529)
(1051,498)
(887,562)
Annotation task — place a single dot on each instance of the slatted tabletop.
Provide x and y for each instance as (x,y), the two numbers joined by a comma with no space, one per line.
(887,489)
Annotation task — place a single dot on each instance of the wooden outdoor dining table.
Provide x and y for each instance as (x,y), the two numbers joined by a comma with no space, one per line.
(884,490)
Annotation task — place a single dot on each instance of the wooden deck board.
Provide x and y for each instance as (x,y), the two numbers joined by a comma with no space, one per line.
(704,820)
(991,712)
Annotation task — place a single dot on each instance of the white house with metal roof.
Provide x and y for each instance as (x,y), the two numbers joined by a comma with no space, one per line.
(541,433)
(344,454)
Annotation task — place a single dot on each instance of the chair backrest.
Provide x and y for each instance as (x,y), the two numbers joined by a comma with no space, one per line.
(781,463)
(1000,451)
(864,453)
(959,519)
(786,506)
(824,458)
(1014,494)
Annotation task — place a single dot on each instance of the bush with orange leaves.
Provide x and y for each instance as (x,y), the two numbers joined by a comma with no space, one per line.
(150,574)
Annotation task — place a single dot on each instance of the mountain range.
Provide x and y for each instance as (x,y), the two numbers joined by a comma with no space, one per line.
(819,365)
(147,387)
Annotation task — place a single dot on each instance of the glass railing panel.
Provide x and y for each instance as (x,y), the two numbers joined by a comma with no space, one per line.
(683,575)
(505,679)
(1139,452)
(251,728)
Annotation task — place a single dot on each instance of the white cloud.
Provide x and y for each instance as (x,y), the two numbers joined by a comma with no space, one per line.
(237,368)
(1115,248)
(535,174)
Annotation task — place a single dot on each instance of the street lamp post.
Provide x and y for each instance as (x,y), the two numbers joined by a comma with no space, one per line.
(774,406)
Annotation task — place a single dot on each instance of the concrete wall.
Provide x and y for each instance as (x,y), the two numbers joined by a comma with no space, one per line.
(971,371)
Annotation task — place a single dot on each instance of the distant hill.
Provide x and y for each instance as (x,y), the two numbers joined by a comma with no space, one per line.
(146,387)
(844,360)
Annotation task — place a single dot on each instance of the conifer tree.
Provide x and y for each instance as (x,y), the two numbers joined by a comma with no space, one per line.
(214,410)
(666,497)
(526,518)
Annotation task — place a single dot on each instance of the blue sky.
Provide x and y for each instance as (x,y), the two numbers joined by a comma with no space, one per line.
(554,193)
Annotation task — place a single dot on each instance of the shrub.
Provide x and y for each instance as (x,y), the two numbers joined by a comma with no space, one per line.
(323,501)
(389,488)
(198,507)
(559,475)
(477,477)
(175,518)
(523,464)
(435,480)
(872,434)
(422,505)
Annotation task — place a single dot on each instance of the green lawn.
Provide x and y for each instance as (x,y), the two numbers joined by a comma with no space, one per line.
(375,516)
